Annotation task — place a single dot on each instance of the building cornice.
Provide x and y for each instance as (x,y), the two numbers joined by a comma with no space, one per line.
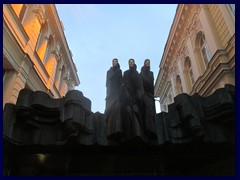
(220,64)
(66,50)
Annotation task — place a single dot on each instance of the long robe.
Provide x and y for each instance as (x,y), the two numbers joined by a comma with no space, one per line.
(132,97)
(113,103)
(149,111)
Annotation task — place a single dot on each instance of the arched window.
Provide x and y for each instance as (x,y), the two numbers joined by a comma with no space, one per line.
(179,88)
(42,42)
(204,50)
(188,74)
(49,49)
(191,73)
(62,77)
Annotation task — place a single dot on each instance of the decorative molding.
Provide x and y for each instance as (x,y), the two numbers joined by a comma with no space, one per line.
(39,14)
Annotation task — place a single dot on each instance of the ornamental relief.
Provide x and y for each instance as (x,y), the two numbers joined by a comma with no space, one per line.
(57,51)
(170,66)
(39,14)
(179,56)
(195,24)
(175,71)
(170,72)
(198,28)
(181,41)
(172,62)
(182,49)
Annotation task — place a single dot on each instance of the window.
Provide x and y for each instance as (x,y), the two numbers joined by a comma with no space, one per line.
(169,99)
(42,42)
(179,88)
(22,12)
(47,51)
(205,53)
(191,75)
(188,74)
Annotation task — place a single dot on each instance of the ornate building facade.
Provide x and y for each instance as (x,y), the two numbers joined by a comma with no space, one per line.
(199,56)
(36,55)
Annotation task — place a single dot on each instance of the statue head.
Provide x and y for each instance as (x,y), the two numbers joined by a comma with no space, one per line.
(131,62)
(147,62)
(115,62)
(132,65)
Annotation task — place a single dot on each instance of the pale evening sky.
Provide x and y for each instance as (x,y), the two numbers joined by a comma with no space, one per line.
(97,33)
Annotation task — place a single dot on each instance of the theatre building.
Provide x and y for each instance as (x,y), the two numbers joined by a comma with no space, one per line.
(36,55)
(199,55)
(49,128)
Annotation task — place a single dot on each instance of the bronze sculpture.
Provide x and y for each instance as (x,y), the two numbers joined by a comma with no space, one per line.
(148,110)
(132,97)
(113,101)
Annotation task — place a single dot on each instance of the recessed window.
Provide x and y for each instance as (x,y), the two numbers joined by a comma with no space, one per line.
(23,12)
(179,88)
(204,49)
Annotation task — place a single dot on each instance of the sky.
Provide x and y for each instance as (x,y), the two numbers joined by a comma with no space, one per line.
(97,33)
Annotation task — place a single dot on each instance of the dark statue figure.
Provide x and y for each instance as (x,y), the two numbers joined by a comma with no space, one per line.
(113,101)
(149,111)
(132,96)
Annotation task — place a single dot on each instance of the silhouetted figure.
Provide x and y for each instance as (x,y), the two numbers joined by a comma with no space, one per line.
(113,101)
(149,111)
(133,93)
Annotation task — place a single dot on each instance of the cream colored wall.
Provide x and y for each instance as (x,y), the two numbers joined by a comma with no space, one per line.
(224,22)
(217,23)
